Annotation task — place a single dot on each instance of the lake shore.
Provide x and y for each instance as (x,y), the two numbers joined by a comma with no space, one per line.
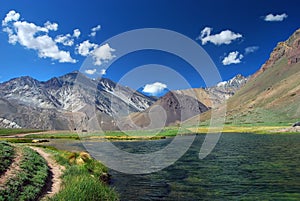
(9,135)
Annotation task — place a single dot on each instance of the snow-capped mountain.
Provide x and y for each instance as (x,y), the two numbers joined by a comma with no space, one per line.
(60,96)
(224,90)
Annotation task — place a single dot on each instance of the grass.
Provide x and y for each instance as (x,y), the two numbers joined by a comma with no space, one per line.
(63,135)
(84,178)
(6,156)
(17,140)
(9,131)
(112,135)
(239,129)
(28,183)
(79,184)
(253,126)
(145,134)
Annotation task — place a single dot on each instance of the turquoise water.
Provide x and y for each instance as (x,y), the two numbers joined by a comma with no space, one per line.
(241,167)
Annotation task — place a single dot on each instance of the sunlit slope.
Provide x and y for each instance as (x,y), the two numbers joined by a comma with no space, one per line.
(272,95)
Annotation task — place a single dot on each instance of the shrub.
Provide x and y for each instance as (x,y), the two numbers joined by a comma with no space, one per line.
(29,182)
(6,156)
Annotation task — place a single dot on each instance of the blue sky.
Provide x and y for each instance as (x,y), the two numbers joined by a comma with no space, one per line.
(50,38)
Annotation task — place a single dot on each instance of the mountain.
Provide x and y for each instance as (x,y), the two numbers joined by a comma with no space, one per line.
(216,95)
(272,94)
(179,105)
(69,101)
(30,103)
(170,109)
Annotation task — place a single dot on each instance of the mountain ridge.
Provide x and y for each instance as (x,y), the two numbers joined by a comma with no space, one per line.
(60,96)
(271,95)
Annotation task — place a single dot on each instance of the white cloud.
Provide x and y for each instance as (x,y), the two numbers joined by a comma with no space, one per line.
(102,54)
(232,58)
(66,40)
(275,18)
(94,30)
(224,37)
(93,71)
(10,16)
(251,49)
(51,26)
(97,28)
(102,71)
(76,33)
(85,48)
(90,71)
(154,88)
(12,38)
(34,37)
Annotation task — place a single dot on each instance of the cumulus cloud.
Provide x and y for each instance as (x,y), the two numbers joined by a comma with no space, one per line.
(275,18)
(90,71)
(102,71)
(100,54)
(34,37)
(154,88)
(51,26)
(94,30)
(224,37)
(251,49)
(10,16)
(85,48)
(94,71)
(66,40)
(76,33)
(232,58)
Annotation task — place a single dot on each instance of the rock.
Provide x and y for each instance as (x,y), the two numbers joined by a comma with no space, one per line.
(79,161)
(39,140)
(105,178)
(289,49)
(296,124)
(85,156)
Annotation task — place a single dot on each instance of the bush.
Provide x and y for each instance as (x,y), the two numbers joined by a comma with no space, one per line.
(6,156)
(29,182)
(83,181)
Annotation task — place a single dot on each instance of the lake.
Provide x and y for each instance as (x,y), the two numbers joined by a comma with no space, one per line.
(241,167)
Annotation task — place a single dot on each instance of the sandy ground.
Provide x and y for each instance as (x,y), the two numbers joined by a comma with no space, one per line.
(289,129)
(35,133)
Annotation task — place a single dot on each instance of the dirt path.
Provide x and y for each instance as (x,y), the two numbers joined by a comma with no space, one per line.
(35,133)
(55,168)
(13,168)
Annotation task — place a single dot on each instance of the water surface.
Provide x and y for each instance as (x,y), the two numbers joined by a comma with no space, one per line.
(241,167)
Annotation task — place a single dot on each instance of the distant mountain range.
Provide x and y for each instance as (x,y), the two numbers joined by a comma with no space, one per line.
(28,103)
(49,105)
(270,95)
(180,105)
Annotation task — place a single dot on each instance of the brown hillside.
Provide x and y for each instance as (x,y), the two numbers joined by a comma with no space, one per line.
(272,94)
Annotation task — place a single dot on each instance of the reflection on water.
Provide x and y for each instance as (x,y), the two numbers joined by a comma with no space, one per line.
(241,167)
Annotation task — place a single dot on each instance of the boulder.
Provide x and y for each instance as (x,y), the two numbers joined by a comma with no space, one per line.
(39,140)
(296,124)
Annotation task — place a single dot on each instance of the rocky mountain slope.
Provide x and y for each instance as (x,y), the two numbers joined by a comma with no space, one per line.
(67,102)
(272,94)
(180,105)
(170,109)
(49,105)
(216,95)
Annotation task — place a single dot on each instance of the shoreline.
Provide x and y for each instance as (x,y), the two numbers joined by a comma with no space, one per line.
(146,135)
